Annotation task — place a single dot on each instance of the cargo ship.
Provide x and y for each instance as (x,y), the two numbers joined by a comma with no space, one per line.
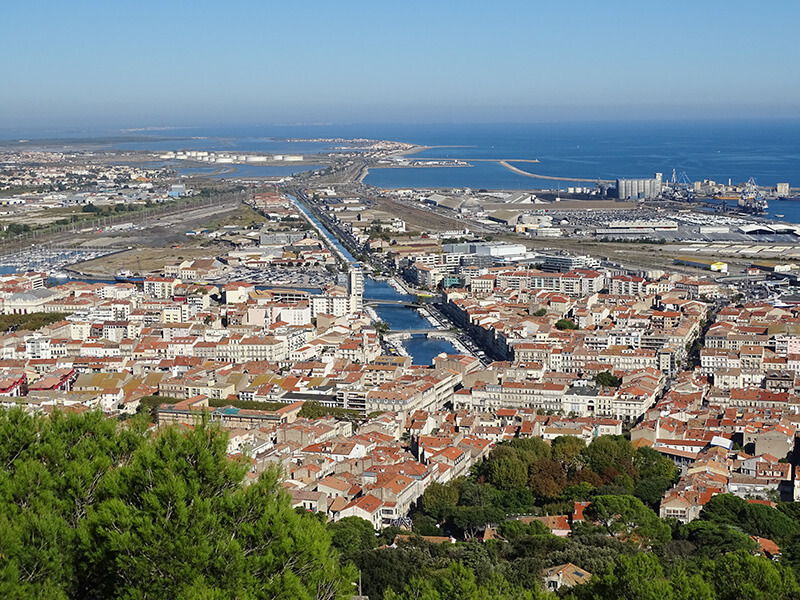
(751,200)
(753,205)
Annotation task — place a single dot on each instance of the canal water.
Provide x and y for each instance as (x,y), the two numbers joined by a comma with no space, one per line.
(421,349)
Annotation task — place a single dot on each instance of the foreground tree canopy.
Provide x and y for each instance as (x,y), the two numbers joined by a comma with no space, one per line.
(93,509)
(89,509)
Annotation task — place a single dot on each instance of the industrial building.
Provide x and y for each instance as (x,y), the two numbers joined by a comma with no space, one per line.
(639,189)
(769,228)
(495,250)
(662,225)
(710,265)
(499,250)
(616,228)
(176,191)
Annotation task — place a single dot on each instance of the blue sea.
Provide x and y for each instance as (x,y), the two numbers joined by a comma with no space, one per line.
(722,151)
(716,150)
(768,150)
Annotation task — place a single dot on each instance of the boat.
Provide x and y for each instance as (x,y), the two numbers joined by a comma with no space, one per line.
(126,276)
(780,216)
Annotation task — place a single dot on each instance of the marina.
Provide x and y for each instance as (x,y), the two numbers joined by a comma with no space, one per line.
(53,261)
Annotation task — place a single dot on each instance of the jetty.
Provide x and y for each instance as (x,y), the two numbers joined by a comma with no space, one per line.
(519,171)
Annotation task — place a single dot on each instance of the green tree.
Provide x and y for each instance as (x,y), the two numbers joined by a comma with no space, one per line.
(609,452)
(637,577)
(351,536)
(579,492)
(439,500)
(628,517)
(650,491)
(93,510)
(30,321)
(178,507)
(312,410)
(791,510)
(507,473)
(528,449)
(425,525)
(738,575)
(456,583)
(563,324)
(471,493)
(471,520)
(52,469)
(755,519)
(566,449)
(651,463)
(712,539)
(724,508)
(515,529)
(419,588)
(768,522)
(149,405)
(687,586)
(384,569)
(607,379)
(517,501)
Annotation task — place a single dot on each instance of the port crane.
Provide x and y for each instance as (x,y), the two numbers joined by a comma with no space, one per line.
(751,200)
(680,188)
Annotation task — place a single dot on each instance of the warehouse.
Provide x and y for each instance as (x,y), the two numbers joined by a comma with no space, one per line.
(709,265)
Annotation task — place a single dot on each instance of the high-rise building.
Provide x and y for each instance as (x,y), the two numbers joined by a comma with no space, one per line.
(355,286)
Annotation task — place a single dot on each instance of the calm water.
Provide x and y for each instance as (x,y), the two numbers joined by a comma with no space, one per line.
(421,349)
(790,209)
(400,318)
(329,235)
(381,290)
(489,175)
(766,150)
(716,150)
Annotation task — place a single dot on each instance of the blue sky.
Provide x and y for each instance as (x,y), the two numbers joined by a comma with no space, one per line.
(139,64)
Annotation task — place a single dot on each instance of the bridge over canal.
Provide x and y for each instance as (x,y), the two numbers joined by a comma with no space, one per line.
(382,302)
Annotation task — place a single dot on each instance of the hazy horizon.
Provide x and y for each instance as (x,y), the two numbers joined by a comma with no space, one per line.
(352,129)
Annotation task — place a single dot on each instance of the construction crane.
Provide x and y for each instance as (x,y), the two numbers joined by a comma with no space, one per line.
(751,200)
(680,188)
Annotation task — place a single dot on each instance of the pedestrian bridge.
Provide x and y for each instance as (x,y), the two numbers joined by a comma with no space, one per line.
(434,333)
(379,302)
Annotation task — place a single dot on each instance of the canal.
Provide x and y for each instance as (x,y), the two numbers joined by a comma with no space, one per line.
(400,318)
(421,349)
